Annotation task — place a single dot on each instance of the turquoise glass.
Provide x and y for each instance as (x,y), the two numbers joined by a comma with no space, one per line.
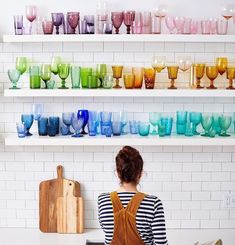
(216,126)
(165,126)
(195,118)
(133,126)
(154,118)
(207,121)
(181,121)
(225,122)
(14,76)
(143,128)
(75,76)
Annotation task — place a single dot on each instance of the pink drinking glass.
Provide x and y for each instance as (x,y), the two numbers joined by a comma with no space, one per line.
(129,17)
(222,27)
(137,25)
(170,23)
(213,29)
(147,23)
(47,26)
(31,14)
(73,20)
(157,24)
(117,19)
(194,27)
(206,27)
(179,24)
(187,26)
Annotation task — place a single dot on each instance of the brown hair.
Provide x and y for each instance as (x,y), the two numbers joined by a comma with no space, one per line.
(129,165)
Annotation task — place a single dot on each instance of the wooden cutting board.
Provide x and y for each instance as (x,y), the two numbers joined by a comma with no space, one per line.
(49,191)
(69,211)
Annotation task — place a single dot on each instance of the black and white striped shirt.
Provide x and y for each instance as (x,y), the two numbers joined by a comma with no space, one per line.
(150,220)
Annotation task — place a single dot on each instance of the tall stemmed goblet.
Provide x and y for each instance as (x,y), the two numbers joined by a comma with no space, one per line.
(207,121)
(159,13)
(14,76)
(117,74)
(225,122)
(55,61)
(101,73)
(21,64)
(154,118)
(77,126)
(83,114)
(221,64)
(199,73)
(170,24)
(27,119)
(31,14)
(230,74)
(58,20)
(195,118)
(179,24)
(63,70)
(67,118)
(184,63)
(212,73)
(73,20)
(172,74)
(228,11)
(129,17)
(117,19)
(159,63)
(45,73)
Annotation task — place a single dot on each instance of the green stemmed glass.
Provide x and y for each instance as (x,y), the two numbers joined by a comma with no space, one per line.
(154,118)
(101,73)
(21,64)
(207,121)
(55,61)
(14,76)
(225,122)
(45,73)
(63,71)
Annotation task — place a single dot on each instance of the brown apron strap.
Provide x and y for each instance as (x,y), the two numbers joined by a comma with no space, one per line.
(117,205)
(134,203)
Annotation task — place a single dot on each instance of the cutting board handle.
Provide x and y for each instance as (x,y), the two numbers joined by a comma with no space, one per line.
(59,171)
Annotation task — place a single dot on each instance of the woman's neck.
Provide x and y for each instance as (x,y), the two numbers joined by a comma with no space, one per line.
(127,187)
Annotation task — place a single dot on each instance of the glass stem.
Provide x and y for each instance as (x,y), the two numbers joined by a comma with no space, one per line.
(117,82)
(128,30)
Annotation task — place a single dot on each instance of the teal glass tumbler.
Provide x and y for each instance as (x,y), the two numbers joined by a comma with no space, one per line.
(143,128)
(75,76)
(181,121)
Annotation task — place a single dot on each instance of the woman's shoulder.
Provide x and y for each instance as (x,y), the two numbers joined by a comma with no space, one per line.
(103,196)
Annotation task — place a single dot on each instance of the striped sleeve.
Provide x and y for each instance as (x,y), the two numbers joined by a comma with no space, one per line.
(158,224)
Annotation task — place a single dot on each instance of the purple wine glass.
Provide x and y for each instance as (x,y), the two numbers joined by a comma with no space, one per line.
(90,23)
(117,19)
(58,20)
(129,17)
(73,20)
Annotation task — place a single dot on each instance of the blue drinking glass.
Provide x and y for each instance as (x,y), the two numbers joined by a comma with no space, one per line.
(56,122)
(189,129)
(21,130)
(117,128)
(162,128)
(215,125)
(27,119)
(143,128)
(168,122)
(93,123)
(195,118)
(51,130)
(42,126)
(108,131)
(77,125)
(181,121)
(37,110)
(133,125)
(67,118)
(83,114)
(64,130)
(105,122)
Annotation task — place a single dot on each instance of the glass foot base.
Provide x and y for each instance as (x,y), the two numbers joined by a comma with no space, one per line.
(224,135)
(205,135)
(14,88)
(199,87)
(211,87)
(172,87)
(63,88)
(77,135)
(28,134)
(230,87)
(117,86)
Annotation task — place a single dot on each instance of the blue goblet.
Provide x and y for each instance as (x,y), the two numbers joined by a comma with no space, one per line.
(83,114)
(67,118)
(27,119)
(195,118)
(77,125)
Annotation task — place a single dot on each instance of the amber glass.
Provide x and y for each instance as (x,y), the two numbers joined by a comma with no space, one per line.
(221,64)
(199,73)
(117,74)
(159,63)
(149,78)
(212,73)
(172,74)
(129,80)
(230,73)
(138,72)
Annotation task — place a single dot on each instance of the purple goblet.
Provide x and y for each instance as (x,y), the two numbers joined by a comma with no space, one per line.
(117,19)
(58,20)
(90,23)
(18,24)
(73,20)
(129,17)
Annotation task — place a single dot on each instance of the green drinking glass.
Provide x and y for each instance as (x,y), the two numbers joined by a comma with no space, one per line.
(34,77)
(75,76)
(55,61)
(101,73)
(63,72)
(14,76)
(92,81)
(225,122)
(21,64)
(45,73)
(207,121)
(108,81)
(84,73)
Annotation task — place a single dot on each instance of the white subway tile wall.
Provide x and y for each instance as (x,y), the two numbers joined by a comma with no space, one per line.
(191,181)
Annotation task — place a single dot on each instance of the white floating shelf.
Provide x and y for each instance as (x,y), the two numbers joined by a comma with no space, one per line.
(118,140)
(118,93)
(118,38)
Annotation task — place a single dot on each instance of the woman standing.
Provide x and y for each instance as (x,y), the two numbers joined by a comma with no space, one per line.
(129,217)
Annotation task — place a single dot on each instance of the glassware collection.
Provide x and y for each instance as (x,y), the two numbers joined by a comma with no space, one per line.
(109,124)
(104,21)
(108,76)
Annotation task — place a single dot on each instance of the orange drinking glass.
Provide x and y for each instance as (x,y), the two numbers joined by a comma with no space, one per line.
(149,78)
(172,74)
(138,72)
(212,73)
(230,73)
(221,64)
(129,80)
